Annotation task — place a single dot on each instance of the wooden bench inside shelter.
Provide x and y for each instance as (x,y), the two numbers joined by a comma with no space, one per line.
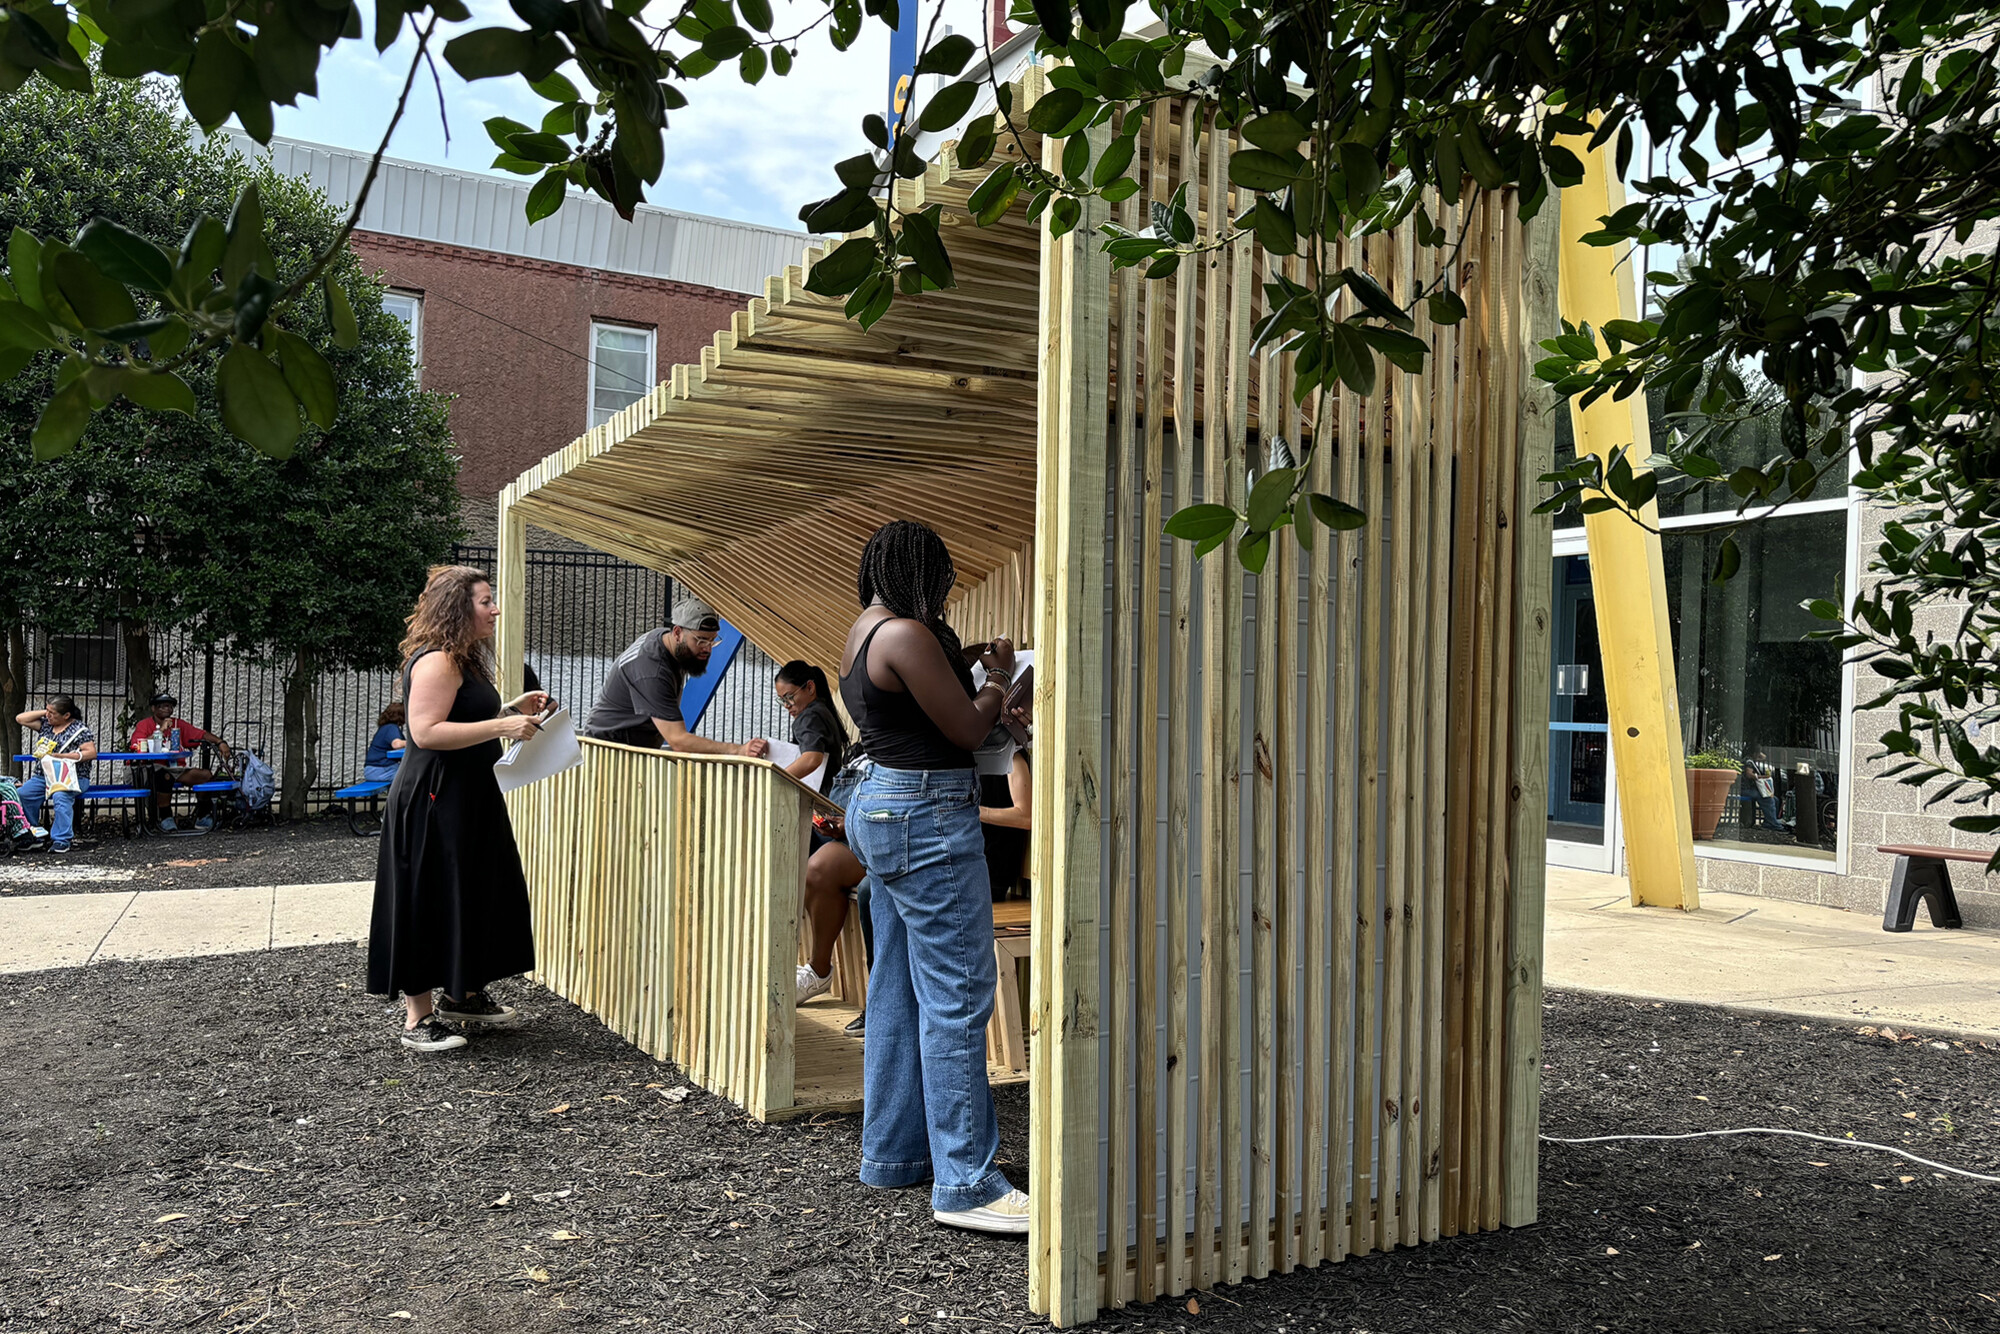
(1923,875)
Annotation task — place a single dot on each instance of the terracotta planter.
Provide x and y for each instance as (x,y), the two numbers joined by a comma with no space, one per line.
(1708,796)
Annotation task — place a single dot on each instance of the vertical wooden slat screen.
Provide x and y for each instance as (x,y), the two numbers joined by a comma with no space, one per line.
(1333,965)
(655,881)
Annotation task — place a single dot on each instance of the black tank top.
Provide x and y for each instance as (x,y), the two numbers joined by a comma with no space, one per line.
(895,731)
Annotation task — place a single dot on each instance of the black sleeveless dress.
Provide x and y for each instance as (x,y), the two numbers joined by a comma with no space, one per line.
(451,904)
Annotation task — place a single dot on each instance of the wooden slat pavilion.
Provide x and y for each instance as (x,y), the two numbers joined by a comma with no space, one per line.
(1298,814)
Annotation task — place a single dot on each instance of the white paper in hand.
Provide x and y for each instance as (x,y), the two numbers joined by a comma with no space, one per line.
(1024,658)
(544,755)
(784,752)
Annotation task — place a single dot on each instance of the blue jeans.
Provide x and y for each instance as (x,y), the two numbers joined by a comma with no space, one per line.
(63,826)
(927,1112)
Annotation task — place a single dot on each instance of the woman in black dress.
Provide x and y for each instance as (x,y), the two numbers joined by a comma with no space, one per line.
(451,904)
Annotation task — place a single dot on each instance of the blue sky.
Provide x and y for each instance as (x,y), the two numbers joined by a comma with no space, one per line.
(751,153)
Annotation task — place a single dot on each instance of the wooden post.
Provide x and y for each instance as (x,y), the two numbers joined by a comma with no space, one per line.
(1522,1103)
(1069,696)
(511,637)
(1627,574)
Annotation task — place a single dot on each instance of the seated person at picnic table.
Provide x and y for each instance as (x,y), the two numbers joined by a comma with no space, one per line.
(385,750)
(176,734)
(639,703)
(60,734)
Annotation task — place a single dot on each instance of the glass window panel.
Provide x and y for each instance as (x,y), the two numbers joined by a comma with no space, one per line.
(1752,686)
(409,308)
(622,369)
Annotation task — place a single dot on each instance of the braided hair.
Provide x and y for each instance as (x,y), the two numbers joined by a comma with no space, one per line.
(906,566)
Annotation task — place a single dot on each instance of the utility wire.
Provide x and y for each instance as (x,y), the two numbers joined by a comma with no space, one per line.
(1770,1130)
(602,369)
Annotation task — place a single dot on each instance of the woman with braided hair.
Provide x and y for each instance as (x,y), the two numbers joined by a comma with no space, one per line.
(927,1112)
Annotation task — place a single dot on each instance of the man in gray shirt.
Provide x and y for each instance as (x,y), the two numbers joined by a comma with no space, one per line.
(640,701)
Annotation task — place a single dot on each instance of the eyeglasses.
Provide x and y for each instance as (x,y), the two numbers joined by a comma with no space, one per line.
(788,698)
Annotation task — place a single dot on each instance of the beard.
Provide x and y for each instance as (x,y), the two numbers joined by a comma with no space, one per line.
(692,663)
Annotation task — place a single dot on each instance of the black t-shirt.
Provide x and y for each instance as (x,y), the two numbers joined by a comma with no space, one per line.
(819,729)
(644,684)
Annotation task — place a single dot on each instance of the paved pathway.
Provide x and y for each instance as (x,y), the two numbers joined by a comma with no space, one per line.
(1763,954)
(1748,953)
(63,930)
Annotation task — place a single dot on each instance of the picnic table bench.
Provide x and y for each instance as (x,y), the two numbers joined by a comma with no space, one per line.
(1922,875)
(364,823)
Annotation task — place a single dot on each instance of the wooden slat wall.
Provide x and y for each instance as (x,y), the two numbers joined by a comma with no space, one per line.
(656,881)
(1341,1023)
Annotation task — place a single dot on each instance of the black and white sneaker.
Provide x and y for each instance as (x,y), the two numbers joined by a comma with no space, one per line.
(857,1026)
(477,1010)
(430,1034)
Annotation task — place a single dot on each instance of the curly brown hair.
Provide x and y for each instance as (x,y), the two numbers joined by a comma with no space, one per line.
(442,620)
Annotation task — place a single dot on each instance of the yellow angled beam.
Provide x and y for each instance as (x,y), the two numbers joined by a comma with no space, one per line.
(1626,573)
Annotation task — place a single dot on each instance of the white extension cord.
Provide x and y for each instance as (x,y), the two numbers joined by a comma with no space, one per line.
(1771,1130)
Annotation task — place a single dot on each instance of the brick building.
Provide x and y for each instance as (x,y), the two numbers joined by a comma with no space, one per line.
(538,332)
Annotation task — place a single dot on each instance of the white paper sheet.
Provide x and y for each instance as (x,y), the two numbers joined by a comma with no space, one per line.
(1024,658)
(543,755)
(784,752)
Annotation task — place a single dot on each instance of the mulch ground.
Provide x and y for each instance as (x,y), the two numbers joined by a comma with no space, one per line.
(315,851)
(236,1143)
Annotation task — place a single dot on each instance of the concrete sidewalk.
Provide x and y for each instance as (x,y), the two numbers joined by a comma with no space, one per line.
(1769,955)
(1755,954)
(64,930)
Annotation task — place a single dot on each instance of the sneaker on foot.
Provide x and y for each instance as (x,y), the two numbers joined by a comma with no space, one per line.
(430,1034)
(167,825)
(59,848)
(857,1026)
(1007,1215)
(477,1010)
(811,984)
(205,822)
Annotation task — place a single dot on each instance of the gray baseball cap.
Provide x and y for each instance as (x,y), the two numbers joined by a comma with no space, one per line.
(691,613)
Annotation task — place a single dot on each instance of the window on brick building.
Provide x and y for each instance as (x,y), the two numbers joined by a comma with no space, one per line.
(621,368)
(409,308)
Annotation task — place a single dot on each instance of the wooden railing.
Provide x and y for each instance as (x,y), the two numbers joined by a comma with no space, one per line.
(665,891)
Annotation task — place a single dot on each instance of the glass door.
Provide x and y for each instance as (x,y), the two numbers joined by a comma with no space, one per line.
(1583,793)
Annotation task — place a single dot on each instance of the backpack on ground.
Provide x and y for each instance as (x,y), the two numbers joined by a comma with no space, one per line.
(257,785)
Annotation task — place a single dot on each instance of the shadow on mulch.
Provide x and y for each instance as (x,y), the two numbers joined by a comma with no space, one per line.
(311,852)
(236,1143)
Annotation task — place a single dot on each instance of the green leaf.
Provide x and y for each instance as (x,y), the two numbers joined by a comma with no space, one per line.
(995,195)
(844,267)
(308,376)
(216,73)
(1275,229)
(258,407)
(537,147)
(98,301)
(1728,560)
(725,43)
(1112,166)
(1352,360)
(1479,158)
(124,256)
(1405,351)
(13,360)
(1446,307)
(1253,550)
(781,61)
(26,329)
(1057,108)
(1076,156)
(159,391)
(848,211)
(756,13)
(1271,497)
(499,128)
(948,107)
(1379,303)
(948,55)
(244,250)
(925,247)
(1335,515)
(490,53)
(1280,132)
(62,422)
(520,166)
(546,196)
(1258,169)
(1197,522)
(339,314)
(751,65)
(556,88)
(1364,176)
(24,268)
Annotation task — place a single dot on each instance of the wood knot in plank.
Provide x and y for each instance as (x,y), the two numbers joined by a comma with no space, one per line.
(1390,1108)
(1263,752)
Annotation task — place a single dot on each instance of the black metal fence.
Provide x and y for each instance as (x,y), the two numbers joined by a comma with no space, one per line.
(583,608)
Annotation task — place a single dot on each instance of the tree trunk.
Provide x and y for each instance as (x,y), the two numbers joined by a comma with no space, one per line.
(301,736)
(14,683)
(142,679)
